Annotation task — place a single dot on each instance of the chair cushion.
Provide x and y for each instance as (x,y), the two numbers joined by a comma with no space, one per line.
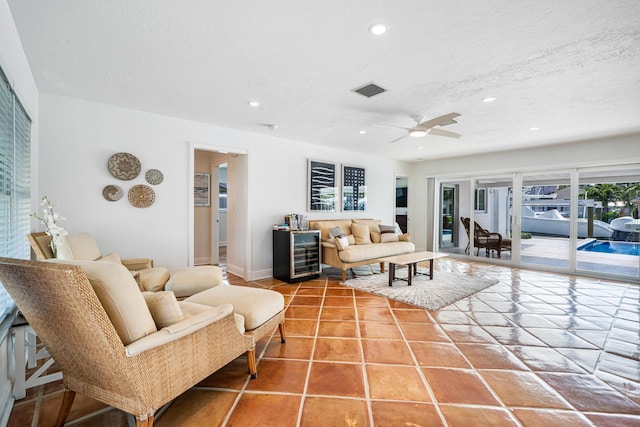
(112,257)
(191,280)
(164,308)
(361,233)
(78,246)
(255,305)
(153,279)
(120,297)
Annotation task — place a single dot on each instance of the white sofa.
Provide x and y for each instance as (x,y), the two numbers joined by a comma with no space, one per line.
(363,248)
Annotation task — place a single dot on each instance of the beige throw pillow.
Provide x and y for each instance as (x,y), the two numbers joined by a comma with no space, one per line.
(388,237)
(361,233)
(164,308)
(341,242)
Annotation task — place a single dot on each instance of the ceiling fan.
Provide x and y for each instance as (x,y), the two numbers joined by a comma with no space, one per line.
(428,127)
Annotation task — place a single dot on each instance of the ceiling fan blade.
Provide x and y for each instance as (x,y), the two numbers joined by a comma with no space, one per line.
(398,139)
(442,132)
(447,119)
(392,127)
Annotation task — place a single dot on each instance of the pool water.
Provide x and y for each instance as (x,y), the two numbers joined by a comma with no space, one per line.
(622,248)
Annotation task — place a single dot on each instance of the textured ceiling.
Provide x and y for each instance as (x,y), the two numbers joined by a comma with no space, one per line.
(571,68)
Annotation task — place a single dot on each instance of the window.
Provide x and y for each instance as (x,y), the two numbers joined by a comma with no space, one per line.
(15,180)
(480,201)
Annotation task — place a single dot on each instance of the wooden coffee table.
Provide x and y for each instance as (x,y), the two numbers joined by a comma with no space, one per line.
(411,261)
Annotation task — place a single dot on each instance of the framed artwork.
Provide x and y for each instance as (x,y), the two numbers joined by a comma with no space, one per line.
(322,185)
(354,188)
(201,182)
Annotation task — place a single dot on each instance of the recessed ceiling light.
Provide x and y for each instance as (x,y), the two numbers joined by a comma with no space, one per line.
(534,128)
(378,29)
(420,148)
(254,103)
(272,126)
(362,132)
(488,99)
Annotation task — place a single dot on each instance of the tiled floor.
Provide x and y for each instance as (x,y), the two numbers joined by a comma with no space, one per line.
(537,349)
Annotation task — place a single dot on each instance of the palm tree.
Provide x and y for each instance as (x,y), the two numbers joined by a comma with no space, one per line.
(605,193)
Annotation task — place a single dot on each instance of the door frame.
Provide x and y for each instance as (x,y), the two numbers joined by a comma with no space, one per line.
(244,270)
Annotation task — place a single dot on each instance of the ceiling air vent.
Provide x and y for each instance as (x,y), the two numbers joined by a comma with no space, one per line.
(369,90)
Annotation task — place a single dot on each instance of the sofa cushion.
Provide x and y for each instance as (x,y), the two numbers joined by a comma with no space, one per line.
(406,237)
(341,242)
(112,257)
(371,223)
(361,233)
(373,251)
(387,229)
(336,231)
(78,246)
(164,308)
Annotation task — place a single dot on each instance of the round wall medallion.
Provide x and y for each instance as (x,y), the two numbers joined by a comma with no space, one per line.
(124,166)
(154,176)
(112,193)
(141,196)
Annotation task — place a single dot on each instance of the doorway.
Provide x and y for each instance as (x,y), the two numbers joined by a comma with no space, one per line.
(219,221)
(449,215)
(402,202)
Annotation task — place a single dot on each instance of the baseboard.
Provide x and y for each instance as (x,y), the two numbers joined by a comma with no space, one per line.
(202,261)
(235,270)
(262,274)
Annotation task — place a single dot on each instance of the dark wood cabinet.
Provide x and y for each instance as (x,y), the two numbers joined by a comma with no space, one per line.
(296,255)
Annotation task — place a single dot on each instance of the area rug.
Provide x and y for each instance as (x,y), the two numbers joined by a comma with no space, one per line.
(445,288)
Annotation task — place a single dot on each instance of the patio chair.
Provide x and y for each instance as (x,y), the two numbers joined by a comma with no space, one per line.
(485,239)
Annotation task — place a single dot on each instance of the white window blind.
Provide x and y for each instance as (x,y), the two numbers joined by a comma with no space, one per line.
(15,180)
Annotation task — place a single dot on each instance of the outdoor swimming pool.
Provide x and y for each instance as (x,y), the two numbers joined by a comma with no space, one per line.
(621,248)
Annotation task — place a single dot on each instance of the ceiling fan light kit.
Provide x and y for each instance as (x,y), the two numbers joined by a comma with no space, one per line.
(418,133)
(424,127)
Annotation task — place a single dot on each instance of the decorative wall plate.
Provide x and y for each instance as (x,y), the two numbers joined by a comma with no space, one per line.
(154,176)
(141,196)
(112,193)
(124,166)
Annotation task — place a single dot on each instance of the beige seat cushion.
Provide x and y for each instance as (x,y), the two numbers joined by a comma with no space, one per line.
(153,279)
(120,297)
(191,280)
(255,305)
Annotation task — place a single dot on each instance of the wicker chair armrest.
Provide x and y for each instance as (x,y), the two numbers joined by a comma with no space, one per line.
(135,264)
(180,329)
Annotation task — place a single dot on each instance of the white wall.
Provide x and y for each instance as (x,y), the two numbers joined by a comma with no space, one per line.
(16,68)
(78,137)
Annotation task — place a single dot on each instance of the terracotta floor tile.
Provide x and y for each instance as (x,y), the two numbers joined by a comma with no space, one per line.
(386,351)
(439,355)
(620,366)
(396,383)
(587,393)
(339,292)
(324,411)
(336,379)
(544,359)
(413,316)
(491,319)
(560,338)
(465,416)
(468,333)
(82,406)
(112,417)
(614,420)
(424,332)
(197,407)
(304,291)
(338,313)
(523,389)
(458,386)
(302,312)
(22,414)
(280,376)
(630,389)
(490,356)
(259,410)
(450,317)
(375,314)
(585,358)
(391,414)
(338,302)
(300,327)
(513,336)
(372,330)
(294,348)
(338,350)
(306,300)
(537,417)
(371,301)
(330,328)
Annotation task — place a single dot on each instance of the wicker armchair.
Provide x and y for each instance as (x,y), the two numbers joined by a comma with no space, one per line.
(66,306)
(485,239)
(82,246)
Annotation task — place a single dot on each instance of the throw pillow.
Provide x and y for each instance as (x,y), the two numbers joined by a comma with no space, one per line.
(341,242)
(387,229)
(164,308)
(361,233)
(375,237)
(388,237)
(112,257)
(336,231)
(406,237)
